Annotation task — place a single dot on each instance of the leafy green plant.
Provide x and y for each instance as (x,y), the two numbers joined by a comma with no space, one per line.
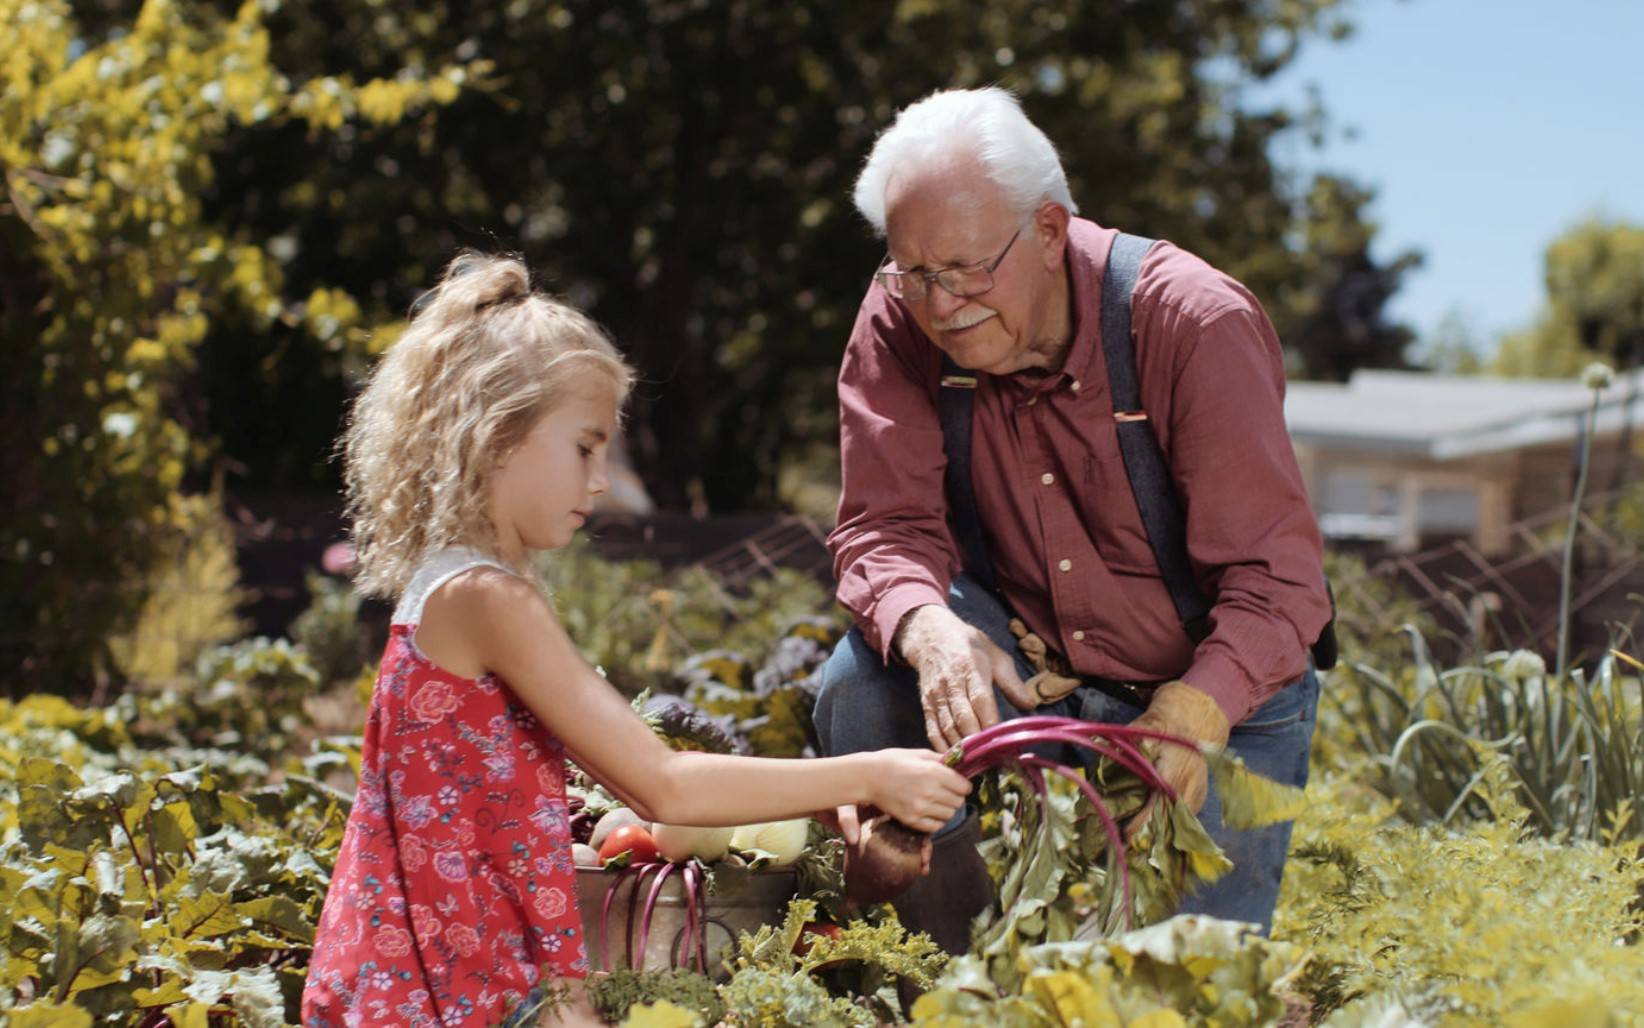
(780,972)
(141,896)
(192,590)
(639,622)
(616,993)
(1483,923)
(329,629)
(1574,748)
(1188,969)
(247,697)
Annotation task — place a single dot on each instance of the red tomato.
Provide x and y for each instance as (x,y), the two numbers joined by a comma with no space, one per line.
(632,839)
(818,928)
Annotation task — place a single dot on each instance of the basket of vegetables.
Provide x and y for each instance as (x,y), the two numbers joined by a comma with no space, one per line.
(656,896)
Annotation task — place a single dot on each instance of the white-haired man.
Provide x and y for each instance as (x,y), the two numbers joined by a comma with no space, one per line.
(1133,499)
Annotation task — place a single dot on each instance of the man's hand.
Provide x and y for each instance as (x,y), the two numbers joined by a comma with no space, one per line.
(958,667)
(1180,709)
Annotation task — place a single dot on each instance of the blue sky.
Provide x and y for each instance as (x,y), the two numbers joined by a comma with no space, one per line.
(1488,129)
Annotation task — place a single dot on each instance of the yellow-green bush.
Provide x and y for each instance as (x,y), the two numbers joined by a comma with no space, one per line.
(1485,924)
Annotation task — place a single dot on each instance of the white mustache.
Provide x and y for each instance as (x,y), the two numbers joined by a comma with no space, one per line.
(965,319)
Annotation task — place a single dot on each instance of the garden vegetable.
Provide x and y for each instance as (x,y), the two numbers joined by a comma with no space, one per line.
(632,839)
(682,842)
(784,841)
(613,819)
(584,855)
(888,859)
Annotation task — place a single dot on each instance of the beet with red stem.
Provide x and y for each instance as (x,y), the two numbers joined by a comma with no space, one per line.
(1114,838)
(889,857)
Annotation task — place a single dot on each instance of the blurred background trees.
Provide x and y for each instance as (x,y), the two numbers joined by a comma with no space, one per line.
(213,220)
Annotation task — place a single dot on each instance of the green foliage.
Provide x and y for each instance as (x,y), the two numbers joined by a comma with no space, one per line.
(1188,970)
(638,622)
(615,994)
(684,171)
(1486,924)
(192,591)
(1594,309)
(1055,870)
(786,976)
(112,273)
(247,697)
(142,877)
(329,629)
(1573,749)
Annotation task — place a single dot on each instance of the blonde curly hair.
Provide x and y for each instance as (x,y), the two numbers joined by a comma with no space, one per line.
(485,356)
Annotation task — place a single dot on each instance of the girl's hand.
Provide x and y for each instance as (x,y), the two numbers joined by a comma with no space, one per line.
(917,789)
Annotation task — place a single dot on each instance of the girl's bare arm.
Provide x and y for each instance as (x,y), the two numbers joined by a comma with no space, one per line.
(506,626)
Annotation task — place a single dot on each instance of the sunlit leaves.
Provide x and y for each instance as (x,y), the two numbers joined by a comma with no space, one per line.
(113,276)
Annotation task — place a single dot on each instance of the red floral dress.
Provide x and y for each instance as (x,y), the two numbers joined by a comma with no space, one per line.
(454,889)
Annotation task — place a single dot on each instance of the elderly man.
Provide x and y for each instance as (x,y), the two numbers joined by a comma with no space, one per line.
(1134,499)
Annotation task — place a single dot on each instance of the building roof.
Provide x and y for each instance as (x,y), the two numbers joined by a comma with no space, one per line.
(1445,417)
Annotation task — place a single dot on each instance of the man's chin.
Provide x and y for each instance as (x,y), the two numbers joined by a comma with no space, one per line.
(972,355)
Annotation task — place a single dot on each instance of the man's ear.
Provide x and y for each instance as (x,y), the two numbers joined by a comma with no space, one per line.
(1050,223)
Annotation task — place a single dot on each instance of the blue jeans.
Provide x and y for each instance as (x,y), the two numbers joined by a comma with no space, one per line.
(866,705)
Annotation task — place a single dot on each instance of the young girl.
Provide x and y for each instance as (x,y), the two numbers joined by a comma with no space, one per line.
(480,438)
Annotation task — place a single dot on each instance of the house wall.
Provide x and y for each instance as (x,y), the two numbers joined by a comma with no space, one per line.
(1408,502)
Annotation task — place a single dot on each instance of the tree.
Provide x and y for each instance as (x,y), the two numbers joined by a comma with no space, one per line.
(1594,308)
(683,170)
(1338,312)
(111,275)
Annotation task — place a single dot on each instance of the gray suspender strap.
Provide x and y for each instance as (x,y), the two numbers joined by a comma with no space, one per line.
(1156,499)
(955,406)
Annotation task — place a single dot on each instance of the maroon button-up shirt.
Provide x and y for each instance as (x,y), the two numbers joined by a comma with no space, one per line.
(1067,544)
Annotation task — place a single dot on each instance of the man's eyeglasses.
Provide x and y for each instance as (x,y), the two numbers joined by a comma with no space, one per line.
(962,281)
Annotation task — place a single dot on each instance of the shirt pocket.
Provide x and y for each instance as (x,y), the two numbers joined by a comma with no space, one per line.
(1112,519)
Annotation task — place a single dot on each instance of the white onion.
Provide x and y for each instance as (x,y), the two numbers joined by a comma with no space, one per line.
(783,840)
(681,842)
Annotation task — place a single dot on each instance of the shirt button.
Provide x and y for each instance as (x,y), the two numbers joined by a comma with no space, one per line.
(1079,637)
(1033,401)
(1047,478)
(1065,565)
(1075,385)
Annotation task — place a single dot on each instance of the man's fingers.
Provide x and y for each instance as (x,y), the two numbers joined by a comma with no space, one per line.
(965,714)
(1010,683)
(981,702)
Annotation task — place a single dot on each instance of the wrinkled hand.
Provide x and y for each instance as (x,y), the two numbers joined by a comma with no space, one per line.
(917,789)
(1180,709)
(958,667)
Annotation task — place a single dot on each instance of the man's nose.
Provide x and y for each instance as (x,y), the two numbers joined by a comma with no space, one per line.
(941,303)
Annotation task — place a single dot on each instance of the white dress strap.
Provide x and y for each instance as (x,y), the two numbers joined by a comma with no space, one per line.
(435,570)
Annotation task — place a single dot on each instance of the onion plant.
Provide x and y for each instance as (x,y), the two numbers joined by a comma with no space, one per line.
(1574,746)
